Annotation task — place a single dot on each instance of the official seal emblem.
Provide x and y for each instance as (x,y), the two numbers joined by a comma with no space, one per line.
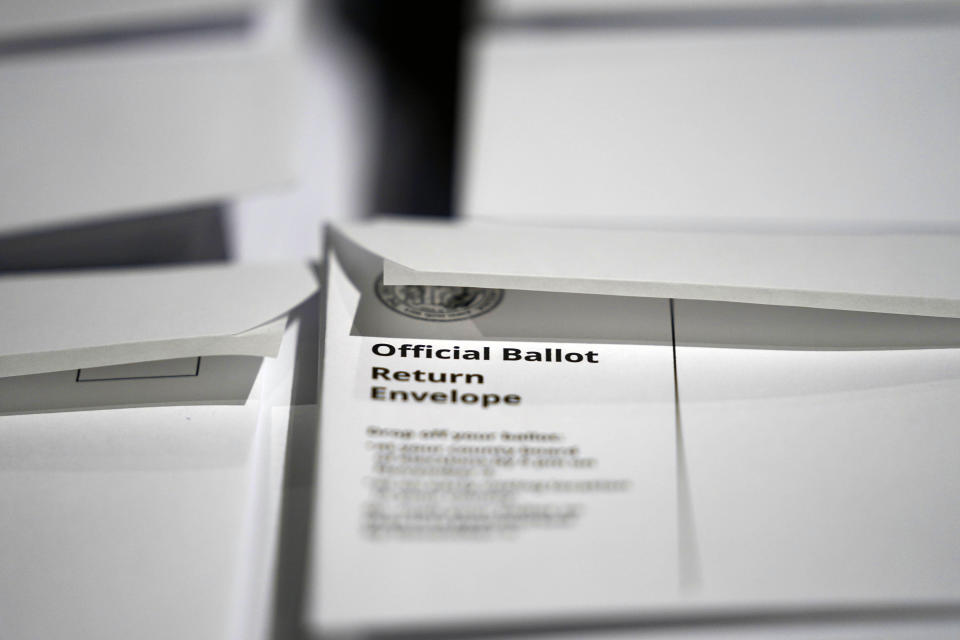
(438,304)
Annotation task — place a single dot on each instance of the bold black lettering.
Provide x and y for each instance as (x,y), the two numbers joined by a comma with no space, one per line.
(490,399)
(381,347)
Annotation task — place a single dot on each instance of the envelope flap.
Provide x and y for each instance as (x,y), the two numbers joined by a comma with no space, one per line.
(893,273)
(45,313)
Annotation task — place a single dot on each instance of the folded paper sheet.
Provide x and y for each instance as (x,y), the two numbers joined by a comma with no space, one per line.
(93,319)
(888,273)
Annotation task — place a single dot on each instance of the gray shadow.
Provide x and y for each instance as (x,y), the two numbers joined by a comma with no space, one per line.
(688,548)
(817,16)
(300,476)
(704,323)
(772,619)
(176,236)
(232,23)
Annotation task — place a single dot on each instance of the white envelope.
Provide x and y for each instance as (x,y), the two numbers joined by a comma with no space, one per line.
(844,125)
(65,334)
(889,273)
(154,522)
(112,128)
(814,450)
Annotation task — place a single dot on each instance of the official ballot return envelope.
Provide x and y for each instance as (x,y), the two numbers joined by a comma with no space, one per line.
(525,426)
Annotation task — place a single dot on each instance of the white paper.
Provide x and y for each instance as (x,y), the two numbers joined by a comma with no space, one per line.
(892,273)
(121,522)
(604,543)
(813,124)
(108,131)
(822,477)
(99,318)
